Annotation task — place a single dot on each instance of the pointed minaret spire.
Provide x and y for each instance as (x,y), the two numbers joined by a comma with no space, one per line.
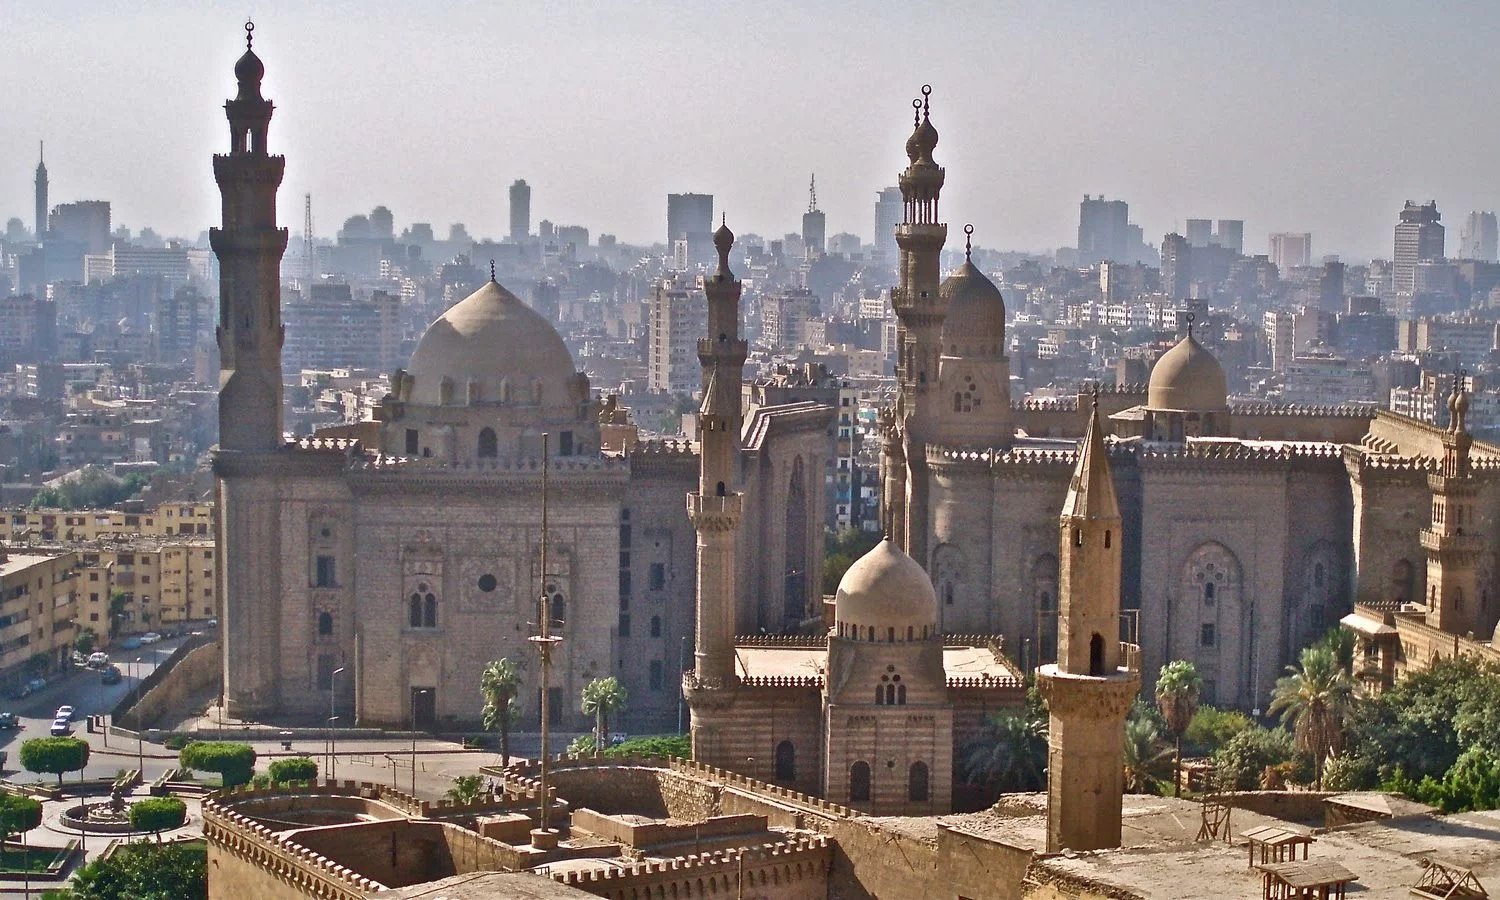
(1091,493)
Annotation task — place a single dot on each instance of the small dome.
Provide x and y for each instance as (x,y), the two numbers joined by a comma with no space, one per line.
(975,325)
(249,68)
(1187,377)
(495,341)
(886,589)
(923,140)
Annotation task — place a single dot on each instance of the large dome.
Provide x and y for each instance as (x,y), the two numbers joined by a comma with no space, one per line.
(1187,377)
(975,325)
(886,590)
(491,348)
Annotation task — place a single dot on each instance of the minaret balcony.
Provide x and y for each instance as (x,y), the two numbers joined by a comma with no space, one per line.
(735,350)
(713,512)
(1456,544)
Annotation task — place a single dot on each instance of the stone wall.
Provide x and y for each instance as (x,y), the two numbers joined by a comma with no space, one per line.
(795,869)
(196,672)
(1288,806)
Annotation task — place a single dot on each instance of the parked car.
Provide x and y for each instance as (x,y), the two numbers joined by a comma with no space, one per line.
(9,720)
(131,643)
(98,659)
(150,637)
(60,727)
(64,712)
(36,684)
(79,659)
(212,623)
(110,675)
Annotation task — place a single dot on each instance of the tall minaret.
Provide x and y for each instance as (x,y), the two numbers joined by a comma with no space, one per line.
(716,509)
(1090,689)
(41,193)
(916,301)
(250,459)
(1452,544)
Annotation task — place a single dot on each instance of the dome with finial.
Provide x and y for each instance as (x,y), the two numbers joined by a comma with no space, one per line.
(975,325)
(723,238)
(249,68)
(887,591)
(1188,378)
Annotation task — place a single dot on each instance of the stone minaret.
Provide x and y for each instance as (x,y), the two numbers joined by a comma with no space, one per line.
(918,305)
(250,456)
(1096,677)
(716,509)
(41,194)
(1453,548)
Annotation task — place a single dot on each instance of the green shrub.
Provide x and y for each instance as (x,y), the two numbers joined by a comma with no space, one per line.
(1349,773)
(235,762)
(295,768)
(158,814)
(54,755)
(144,871)
(18,814)
(1212,728)
(679,745)
(1242,761)
(176,741)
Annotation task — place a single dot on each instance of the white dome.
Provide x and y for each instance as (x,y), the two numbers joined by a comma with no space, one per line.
(888,591)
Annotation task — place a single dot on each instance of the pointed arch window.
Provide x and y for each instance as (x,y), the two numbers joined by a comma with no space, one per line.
(488,448)
(916,783)
(859,782)
(325,624)
(786,761)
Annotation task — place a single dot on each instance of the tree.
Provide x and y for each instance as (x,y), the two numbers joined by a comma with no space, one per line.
(1314,700)
(1212,728)
(18,814)
(54,756)
(1010,752)
(157,814)
(841,549)
(467,789)
(119,601)
(497,685)
(1240,763)
(294,768)
(1148,758)
(235,762)
(1177,690)
(144,871)
(601,698)
(87,639)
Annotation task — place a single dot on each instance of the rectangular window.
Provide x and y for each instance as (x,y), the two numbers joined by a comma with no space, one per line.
(656,674)
(565,443)
(1206,637)
(624,583)
(624,559)
(411,441)
(326,572)
(658,576)
(624,537)
(93,617)
(624,624)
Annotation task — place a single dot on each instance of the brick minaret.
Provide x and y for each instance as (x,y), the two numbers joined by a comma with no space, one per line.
(1090,689)
(716,508)
(1452,543)
(917,304)
(250,454)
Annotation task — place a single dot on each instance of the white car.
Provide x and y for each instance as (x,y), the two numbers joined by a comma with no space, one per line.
(150,637)
(98,659)
(60,727)
(64,712)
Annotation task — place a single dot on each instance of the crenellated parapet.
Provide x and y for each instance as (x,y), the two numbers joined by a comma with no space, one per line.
(766,867)
(803,641)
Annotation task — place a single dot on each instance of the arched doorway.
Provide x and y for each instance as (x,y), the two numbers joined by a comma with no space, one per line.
(786,762)
(916,783)
(794,601)
(859,782)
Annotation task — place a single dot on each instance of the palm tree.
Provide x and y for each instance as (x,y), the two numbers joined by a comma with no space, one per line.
(601,697)
(1148,758)
(466,789)
(1314,699)
(498,685)
(1177,690)
(1009,753)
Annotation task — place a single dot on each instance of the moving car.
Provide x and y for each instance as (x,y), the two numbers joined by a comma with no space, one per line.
(110,675)
(60,727)
(64,712)
(150,637)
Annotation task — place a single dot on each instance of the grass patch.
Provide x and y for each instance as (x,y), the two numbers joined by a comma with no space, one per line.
(37,861)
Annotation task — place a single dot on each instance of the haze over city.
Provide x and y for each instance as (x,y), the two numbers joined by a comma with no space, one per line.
(1315,117)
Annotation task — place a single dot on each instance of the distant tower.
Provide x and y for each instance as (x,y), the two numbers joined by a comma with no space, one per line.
(814,227)
(250,456)
(1419,236)
(1451,540)
(41,193)
(917,303)
(309,254)
(520,211)
(715,509)
(1091,687)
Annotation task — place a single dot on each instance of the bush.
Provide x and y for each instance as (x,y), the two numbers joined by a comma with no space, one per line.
(1349,773)
(235,762)
(158,814)
(18,814)
(1242,761)
(679,745)
(54,755)
(176,741)
(296,768)
(1212,728)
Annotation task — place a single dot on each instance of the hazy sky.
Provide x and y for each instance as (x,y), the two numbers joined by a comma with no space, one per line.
(1295,116)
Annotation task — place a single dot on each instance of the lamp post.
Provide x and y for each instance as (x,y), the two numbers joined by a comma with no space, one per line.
(140,752)
(414,694)
(333,692)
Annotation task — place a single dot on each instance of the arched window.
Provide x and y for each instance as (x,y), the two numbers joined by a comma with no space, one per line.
(910,632)
(890,635)
(415,611)
(719,489)
(325,623)
(890,695)
(429,611)
(559,609)
(859,782)
(1208,594)
(487,444)
(656,626)
(900,695)
(1096,655)
(786,761)
(1106,540)
(916,783)
(1078,537)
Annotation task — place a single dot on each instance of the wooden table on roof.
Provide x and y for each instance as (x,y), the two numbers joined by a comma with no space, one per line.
(1277,845)
(1305,880)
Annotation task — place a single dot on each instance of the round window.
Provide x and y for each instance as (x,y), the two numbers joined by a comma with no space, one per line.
(487,582)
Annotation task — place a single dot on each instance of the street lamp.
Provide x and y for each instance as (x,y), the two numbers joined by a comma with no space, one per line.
(333,691)
(413,704)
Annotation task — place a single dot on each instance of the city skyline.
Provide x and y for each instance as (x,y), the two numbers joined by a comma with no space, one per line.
(1024,129)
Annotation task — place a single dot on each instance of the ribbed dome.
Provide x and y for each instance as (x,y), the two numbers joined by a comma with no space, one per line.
(492,339)
(976,313)
(886,589)
(1187,377)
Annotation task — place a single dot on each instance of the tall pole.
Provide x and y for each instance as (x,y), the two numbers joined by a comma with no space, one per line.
(333,692)
(140,752)
(544,641)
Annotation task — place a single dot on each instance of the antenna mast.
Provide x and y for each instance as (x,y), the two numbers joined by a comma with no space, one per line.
(544,838)
(812,193)
(309,259)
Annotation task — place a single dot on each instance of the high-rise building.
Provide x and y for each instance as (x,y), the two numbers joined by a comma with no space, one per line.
(382,224)
(1331,287)
(28,329)
(1176,266)
(1199,232)
(330,328)
(887,217)
(678,317)
(1290,250)
(1103,230)
(690,217)
(813,224)
(1478,238)
(85,223)
(1231,235)
(784,318)
(520,210)
(41,194)
(1419,236)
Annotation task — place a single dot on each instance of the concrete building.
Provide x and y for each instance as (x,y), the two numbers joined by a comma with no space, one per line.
(1290,250)
(1103,230)
(887,217)
(327,327)
(1199,232)
(1230,234)
(1419,237)
(785,316)
(1176,267)
(520,211)
(690,217)
(814,225)
(40,231)
(1326,379)
(169,263)
(86,223)
(28,329)
(677,316)
(1479,237)
(38,613)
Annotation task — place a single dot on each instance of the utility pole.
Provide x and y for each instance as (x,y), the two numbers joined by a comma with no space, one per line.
(544,838)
